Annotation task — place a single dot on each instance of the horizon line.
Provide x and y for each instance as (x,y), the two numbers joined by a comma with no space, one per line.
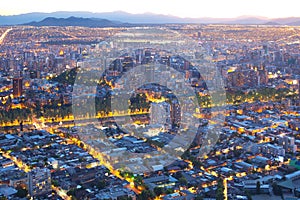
(151,13)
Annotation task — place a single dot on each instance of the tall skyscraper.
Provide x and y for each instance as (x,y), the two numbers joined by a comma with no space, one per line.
(17,87)
(39,182)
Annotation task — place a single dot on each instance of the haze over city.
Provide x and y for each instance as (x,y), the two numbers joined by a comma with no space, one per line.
(188,8)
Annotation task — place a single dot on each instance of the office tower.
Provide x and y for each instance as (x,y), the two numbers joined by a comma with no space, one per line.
(39,182)
(17,87)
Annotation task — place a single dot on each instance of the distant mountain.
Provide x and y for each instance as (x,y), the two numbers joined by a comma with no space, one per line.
(296,23)
(287,20)
(146,18)
(29,17)
(272,23)
(77,21)
(247,20)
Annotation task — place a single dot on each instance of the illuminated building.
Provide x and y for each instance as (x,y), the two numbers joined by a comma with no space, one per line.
(39,182)
(61,53)
(17,87)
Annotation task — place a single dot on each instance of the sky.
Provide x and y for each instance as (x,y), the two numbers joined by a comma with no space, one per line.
(180,8)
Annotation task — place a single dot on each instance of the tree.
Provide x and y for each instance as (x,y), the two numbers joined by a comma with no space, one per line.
(169,191)
(237,153)
(258,187)
(276,189)
(186,155)
(146,194)
(22,193)
(55,183)
(158,191)
(138,181)
(220,190)
(182,180)
(101,184)
(248,195)
(198,197)
(126,174)
(71,192)
(125,198)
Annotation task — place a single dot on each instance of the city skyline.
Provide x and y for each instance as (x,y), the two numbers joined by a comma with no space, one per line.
(190,8)
(99,103)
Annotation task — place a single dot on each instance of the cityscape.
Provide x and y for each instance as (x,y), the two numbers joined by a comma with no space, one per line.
(102,109)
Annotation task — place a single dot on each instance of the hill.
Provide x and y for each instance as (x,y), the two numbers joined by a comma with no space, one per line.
(77,21)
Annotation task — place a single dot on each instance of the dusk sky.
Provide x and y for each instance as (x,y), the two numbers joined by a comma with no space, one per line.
(186,8)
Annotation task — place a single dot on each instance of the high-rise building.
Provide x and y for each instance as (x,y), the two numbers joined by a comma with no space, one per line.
(39,182)
(17,87)
(288,143)
(175,113)
(262,77)
(266,49)
(199,34)
(160,114)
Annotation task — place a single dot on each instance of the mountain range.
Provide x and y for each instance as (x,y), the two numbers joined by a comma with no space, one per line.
(120,17)
(78,21)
